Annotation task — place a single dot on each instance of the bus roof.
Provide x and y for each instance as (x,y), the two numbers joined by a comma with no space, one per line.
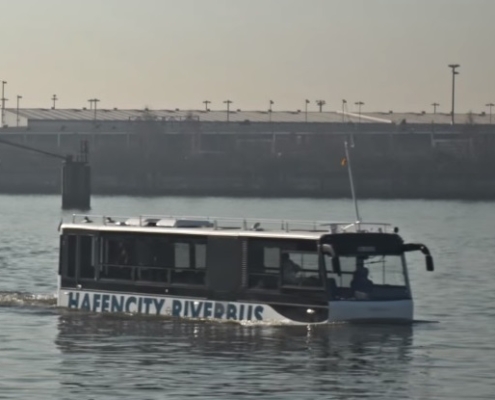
(248,227)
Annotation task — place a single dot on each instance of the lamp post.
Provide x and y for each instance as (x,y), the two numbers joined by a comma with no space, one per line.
(17,109)
(228,102)
(54,99)
(490,105)
(206,102)
(435,105)
(93,106)
(306,110)
(321,103)
(344,104)
(3,102)
(359,104)
(270,110)
(96,106)
(454,73)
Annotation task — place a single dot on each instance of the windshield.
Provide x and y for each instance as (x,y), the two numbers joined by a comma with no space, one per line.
(377,277)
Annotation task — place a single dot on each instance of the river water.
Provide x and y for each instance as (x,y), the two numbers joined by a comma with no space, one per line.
(47,353)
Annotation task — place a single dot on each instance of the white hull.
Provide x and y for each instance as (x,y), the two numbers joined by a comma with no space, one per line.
(341,311)
(393,310)
(96,301)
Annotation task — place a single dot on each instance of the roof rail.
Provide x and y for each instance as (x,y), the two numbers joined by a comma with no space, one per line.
(223,223)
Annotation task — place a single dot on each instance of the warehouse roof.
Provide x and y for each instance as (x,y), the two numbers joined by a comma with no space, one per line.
(40,114)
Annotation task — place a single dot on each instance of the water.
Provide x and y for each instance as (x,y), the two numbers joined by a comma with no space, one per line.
(46,353)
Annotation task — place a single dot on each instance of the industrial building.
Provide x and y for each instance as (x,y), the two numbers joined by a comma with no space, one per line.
(282,153)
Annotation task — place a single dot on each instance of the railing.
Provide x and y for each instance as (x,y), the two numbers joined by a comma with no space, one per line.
(223,223)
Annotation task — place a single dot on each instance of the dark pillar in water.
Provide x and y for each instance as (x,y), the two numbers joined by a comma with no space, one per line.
(76,185)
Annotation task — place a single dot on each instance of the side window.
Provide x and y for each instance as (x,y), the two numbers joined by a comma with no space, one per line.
(301,268)
(153,259)
(86,257)
(272,263)
(78,256)
(70,256)
(116,258)
(200,255)
(189,267)
(182,255)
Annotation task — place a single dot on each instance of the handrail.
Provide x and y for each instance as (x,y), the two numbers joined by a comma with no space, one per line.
(219,223)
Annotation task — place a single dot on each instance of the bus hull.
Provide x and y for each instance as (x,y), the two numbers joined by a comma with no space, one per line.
(204,309)
(371,311)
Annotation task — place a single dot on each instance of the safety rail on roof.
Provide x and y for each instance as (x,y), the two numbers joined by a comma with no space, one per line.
(223,223)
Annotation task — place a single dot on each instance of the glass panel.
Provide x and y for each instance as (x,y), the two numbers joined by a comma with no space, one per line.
(300,268)
(271,257)
(72,256)
(182,256)
(86,257)
(200,250)
(368,278)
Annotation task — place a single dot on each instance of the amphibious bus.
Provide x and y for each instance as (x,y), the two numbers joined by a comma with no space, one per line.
(253,271)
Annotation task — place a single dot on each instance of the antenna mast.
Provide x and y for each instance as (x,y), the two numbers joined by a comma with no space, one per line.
(351,181)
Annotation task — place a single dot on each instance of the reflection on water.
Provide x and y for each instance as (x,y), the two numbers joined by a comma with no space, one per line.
(226,358)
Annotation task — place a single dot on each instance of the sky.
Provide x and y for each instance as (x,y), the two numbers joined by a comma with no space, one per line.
(389,54)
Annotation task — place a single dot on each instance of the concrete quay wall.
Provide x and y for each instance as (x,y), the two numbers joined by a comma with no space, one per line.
(424,163)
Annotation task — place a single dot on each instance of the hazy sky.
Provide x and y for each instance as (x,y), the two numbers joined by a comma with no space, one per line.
(391,54)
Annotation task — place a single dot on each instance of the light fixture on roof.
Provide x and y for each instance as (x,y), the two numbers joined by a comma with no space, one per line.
(454,73)
(228,102)
(490,105)
(435,105)
(320,104)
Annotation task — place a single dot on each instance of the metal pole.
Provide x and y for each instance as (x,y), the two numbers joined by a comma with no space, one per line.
(206,102)
(435,105)
(306,110)
(454,73)
(490,105)
(54,98)
(17,113)
(270,111)
(3,102)
(351,181)
(96,106)
(228,102)
(359,104)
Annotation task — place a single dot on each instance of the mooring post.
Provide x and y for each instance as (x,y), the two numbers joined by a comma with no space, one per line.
(76,185)
(76,181)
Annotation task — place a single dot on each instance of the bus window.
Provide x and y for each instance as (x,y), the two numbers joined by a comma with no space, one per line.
(374,277)
(86,257)
(71,242)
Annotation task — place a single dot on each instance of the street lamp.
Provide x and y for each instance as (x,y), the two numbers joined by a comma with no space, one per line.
(228,102)
(344,105)
(54,99)
(17,113)
(206,102)
(3,102)
(454,73)
(435,105)
(270,110)
(490,105)
(359,104)
(321,103)
(306,110)
(94,105)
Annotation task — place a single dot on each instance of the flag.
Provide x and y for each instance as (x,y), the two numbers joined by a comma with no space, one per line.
(343,162)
